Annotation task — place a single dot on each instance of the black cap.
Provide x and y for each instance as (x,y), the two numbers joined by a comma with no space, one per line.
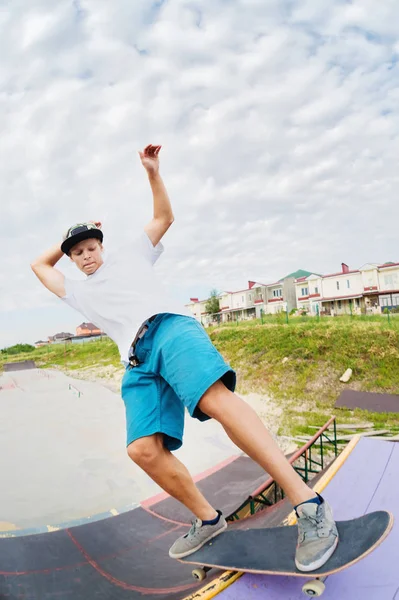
(78,233)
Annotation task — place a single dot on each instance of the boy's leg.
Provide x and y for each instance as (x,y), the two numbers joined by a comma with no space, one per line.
(317,532)
(173,477)
(247,431)
(183,355)
(150,454)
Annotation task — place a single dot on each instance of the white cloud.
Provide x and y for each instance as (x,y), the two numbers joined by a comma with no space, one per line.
(279,124)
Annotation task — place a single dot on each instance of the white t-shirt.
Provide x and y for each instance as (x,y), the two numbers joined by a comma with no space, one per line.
(123,292)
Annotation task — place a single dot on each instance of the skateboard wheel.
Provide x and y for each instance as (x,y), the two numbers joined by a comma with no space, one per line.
(313,588)
(199,574)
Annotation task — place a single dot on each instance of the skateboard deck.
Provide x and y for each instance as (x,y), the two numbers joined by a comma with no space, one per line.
(271,551)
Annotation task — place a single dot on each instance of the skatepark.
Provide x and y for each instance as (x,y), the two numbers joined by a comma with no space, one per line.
(79,520)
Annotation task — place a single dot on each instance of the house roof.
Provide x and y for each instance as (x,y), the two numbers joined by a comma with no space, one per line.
(300,274)
(341,273)
(61,335)
(89,326)
(388,264)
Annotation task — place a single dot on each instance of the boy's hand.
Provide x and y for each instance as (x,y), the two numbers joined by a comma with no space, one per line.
(149,159)
(96,223)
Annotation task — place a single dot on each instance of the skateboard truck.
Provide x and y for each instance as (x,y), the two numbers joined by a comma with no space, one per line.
(312,588)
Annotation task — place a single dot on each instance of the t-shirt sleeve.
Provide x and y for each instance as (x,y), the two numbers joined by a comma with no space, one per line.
(149,251)
(70,297)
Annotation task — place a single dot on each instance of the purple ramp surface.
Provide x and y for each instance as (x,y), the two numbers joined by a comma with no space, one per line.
(367,481)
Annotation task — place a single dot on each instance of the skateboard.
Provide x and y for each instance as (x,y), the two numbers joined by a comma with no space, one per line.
(271,551)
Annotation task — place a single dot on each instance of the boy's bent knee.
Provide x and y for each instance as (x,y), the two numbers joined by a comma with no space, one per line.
(213,402)
(146,450)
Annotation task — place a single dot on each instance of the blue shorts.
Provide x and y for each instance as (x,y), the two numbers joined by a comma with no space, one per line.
(178,364)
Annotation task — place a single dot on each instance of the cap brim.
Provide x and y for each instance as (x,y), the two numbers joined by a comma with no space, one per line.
(68,244)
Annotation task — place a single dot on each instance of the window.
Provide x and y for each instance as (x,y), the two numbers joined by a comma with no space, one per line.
(391,280)
(395,300)
(348,283)
(337,285)
(304,291)
(316,290)
(277,293)
(385,302)
(339,303)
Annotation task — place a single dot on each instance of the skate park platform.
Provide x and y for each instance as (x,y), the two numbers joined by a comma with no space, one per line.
(106,555)
(381,403)
(63,456)
(19,366)
(125,556)
(122,557)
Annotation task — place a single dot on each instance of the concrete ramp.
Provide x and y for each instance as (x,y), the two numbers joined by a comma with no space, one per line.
(123,558)
(74,434)
(226,487)
(367,481)
(19,366)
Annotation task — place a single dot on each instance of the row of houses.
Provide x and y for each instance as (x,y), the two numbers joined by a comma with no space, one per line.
(84,332)
(368,290)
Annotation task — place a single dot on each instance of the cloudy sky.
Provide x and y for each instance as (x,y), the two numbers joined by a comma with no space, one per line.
(279,126)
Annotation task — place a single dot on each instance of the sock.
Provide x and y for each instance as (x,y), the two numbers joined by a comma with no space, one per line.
(317,500)
(213,521)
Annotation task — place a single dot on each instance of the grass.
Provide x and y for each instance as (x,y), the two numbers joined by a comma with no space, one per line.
(306,385)
(70,356)
(318,352)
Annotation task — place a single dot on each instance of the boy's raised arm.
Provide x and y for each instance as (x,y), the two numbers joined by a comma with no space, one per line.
(43,268)
(163,214)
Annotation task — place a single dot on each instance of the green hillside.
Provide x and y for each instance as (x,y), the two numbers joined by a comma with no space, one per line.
(306,383)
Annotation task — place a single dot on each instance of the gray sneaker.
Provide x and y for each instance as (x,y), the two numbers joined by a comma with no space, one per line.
(317,535)
(198,535)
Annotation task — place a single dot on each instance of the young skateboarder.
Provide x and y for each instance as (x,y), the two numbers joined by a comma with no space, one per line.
(171,364)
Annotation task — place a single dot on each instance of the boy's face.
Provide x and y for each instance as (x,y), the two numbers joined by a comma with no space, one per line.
(87,255)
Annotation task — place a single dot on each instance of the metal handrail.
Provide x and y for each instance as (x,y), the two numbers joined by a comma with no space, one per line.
(294,457)
(258,496)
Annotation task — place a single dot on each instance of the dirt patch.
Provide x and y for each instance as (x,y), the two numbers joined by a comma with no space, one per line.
(271,415)
(109,376)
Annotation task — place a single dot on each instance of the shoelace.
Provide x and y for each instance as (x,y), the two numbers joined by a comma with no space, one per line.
(306,526)
(195,525)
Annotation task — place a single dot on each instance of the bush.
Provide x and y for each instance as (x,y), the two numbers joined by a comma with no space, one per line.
(18,348)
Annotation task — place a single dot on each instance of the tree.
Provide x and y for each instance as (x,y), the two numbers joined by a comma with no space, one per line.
(212,306)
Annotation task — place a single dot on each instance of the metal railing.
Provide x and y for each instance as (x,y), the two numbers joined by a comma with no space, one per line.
(270,492)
